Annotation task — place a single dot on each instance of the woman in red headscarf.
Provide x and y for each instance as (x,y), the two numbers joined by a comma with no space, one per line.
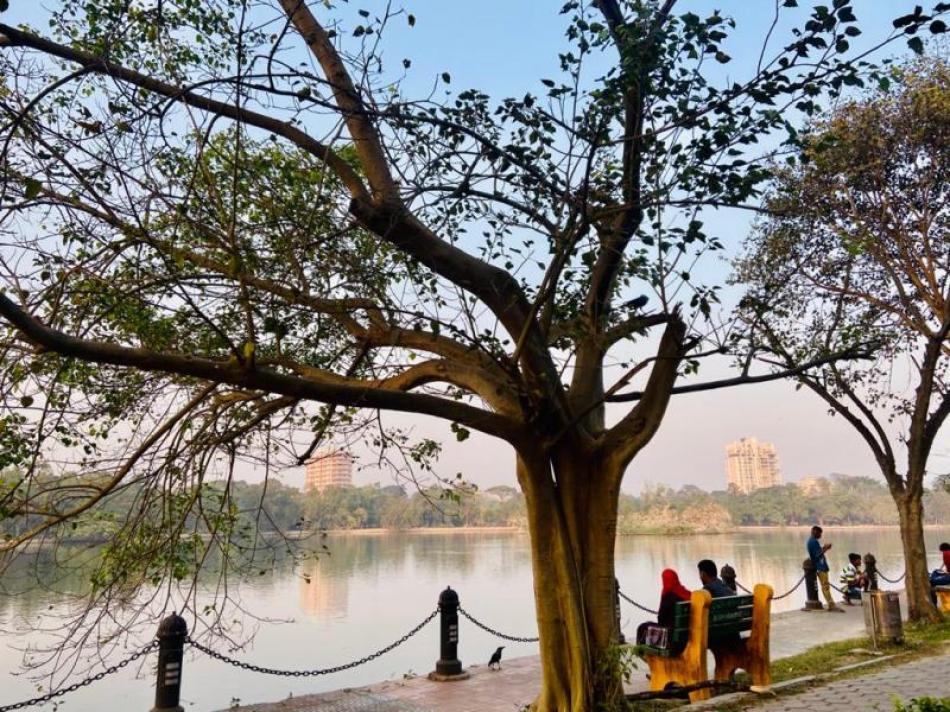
(673,592)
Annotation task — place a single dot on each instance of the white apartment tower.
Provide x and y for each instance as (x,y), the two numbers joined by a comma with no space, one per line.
(751,465)
(328,467)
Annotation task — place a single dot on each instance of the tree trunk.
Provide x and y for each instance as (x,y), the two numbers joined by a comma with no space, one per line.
(572,524)
(917,583)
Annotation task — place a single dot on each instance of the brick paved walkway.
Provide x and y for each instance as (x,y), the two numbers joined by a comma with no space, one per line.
(874,693)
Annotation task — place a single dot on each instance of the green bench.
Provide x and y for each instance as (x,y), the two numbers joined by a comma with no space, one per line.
(716,624)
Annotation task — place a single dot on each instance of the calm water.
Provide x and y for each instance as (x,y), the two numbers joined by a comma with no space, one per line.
(372,589)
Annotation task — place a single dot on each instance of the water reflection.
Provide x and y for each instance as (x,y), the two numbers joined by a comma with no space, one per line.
(366,591)
(322,594)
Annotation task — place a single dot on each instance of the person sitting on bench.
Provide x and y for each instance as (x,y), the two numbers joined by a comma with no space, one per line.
(941,576)
(672,593)
(853,580)
(709,575)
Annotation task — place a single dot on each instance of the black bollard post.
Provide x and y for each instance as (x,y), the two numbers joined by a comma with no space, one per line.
(728,576)
(172,632)
(870,568)
(448,666)
(811,587)
(620,638)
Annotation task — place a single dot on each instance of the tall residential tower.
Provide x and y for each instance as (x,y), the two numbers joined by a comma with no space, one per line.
(328,467)
(751,465)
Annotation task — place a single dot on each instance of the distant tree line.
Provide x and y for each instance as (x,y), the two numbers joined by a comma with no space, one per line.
(840,500)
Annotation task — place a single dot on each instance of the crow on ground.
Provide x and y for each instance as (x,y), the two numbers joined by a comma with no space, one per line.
(495,662)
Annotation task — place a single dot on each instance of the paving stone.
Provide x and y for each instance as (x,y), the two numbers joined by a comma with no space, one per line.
(929,677)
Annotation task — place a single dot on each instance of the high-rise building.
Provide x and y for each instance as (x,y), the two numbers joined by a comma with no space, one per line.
(751,465)
(328,467)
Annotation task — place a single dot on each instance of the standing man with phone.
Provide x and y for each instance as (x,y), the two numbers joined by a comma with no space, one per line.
(816,552)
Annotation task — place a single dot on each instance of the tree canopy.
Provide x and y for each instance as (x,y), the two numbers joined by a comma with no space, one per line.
(229,230)
(856,249)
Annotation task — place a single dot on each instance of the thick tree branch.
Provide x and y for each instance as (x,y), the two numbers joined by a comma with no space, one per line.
(365,136)
(95,63)
(634,431)
(745,379)
(234,373)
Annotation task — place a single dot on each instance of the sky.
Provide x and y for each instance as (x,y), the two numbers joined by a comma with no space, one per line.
(506,47)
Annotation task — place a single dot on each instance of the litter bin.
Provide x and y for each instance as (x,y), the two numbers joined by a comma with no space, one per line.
(882,616)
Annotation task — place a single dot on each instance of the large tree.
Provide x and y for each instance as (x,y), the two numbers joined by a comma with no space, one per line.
(858,248)
(218,214)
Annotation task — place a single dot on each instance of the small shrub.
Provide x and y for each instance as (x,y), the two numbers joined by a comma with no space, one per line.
(924,704)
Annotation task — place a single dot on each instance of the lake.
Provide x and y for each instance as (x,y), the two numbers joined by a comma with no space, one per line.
(371,589)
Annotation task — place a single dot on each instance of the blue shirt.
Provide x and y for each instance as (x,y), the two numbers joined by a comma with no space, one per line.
(717,589)
(816,555)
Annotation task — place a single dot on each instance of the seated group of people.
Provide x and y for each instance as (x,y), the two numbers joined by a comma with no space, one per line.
(941,576)
(854,581)
(674,592)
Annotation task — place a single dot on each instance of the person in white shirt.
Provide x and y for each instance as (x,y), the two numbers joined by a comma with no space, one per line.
(853,580)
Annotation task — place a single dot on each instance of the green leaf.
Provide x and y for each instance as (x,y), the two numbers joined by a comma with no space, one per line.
(446,77)
(4,5)
(461,432)
(411,19)
(916,44)
(26,401)
(31,186)
(938,27)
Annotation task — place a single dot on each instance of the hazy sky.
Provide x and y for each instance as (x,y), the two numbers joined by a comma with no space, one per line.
(504,47)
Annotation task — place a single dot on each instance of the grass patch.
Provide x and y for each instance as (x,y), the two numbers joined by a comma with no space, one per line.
(918,640)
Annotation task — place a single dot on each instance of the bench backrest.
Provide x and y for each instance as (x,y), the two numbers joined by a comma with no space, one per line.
(728,616)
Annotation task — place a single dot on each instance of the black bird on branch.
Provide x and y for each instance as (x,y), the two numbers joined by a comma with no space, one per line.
(495,662)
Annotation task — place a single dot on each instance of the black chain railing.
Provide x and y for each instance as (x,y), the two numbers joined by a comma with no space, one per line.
(897,580)
(319,671)
(82,683)
(790,591)
(499,634)
(635,604)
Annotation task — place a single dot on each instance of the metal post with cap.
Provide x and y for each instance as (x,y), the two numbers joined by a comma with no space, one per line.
(620,637)
(811,586)
(448,666)
(870,568)
(172,632)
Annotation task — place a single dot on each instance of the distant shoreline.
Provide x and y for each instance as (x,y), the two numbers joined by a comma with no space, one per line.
(378,531)
(508,530)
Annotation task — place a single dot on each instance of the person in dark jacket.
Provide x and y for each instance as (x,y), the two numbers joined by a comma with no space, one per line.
(709,575)
(672,593)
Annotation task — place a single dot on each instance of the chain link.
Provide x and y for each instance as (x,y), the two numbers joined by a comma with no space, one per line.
(791,590)
(494,632)
(635,604)
(897,580)
(311,673)
(82,683)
